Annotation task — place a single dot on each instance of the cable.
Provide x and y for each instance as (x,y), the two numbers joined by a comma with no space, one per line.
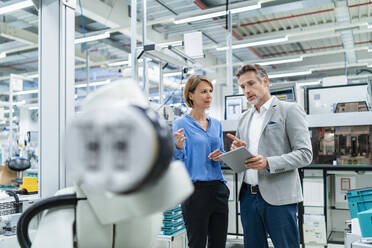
(16,199)
(48,203)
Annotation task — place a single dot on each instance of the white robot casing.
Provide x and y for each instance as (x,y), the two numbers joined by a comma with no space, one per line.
(112,147)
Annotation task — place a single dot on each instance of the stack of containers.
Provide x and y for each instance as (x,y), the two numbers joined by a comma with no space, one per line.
(172,221)
(360,205)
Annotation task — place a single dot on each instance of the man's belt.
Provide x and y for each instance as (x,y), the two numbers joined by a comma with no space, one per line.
(251,188)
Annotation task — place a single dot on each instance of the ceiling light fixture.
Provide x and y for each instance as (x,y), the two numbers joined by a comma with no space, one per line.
(92,84)
(290,74)
(200,17)
(92,38)
(282,61)
(246,8)
(2,55)
(7,8)
(25,92)
(36,75)
(255,43)
(173,44)
(124,62)
(119,63)
(216,14)
(301,84)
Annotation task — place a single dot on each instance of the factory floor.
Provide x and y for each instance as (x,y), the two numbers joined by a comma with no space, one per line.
(180,241)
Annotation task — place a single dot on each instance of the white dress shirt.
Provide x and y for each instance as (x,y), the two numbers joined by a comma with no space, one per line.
(254,136)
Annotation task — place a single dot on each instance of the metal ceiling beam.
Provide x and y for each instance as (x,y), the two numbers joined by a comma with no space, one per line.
(343,18)
(309,55)
(117,18)
(308,34)
(31,41)
(273,9)
(276,7)
(17,34)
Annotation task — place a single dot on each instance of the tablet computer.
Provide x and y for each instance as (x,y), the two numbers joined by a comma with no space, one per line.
(235,158)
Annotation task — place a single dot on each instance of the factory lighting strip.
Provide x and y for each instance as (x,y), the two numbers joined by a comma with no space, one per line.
(92,38)
(216,14)
(281,61)
(309,83)
(92,84)
(290,74)
(25,92)
(255,43)
(7,8)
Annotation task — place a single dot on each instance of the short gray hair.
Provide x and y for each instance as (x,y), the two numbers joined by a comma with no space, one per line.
(259,70)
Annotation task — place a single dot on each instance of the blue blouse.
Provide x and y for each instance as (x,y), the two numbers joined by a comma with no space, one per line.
(198,145)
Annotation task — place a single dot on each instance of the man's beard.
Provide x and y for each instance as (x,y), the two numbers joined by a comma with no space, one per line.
(255,101)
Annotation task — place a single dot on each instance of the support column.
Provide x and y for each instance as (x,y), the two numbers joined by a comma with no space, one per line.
(229,67)
(161,83)
(133,40)
(56,86)
(146,86)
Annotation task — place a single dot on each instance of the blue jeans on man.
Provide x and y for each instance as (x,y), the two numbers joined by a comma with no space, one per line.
(260,219)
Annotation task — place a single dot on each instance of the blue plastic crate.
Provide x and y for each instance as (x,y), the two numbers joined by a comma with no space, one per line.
(359,200)
(173,230)
(365,222)
(173,223)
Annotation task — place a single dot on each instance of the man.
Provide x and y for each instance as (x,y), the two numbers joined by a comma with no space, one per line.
(277,133)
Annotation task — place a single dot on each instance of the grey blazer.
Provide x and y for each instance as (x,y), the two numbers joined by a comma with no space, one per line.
(285,142)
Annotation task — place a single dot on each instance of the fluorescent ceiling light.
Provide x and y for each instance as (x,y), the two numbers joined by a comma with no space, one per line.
(33,108)
(6,104)
(246,8)
(308,83)
(2,55)
(255,43)
(92,84)
(92,37)
(282,61)
(19,103)
(178,73)
(36,75)
(173,43)
(216,14)
(7,8)
(119,63)
(7,111)
(171,74)
(25,92)
(290,74)
(124,62)
(200,17)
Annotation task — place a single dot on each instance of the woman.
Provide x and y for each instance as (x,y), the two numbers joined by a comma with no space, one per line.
(198,140)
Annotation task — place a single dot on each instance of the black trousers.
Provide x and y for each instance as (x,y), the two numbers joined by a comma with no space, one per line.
(205,214)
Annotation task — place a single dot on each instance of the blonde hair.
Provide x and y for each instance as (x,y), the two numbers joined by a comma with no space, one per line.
(192,82)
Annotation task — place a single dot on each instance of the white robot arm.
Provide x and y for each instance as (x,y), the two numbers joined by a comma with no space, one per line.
(119,152)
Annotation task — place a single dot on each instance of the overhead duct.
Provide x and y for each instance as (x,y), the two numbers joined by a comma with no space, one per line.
(343,17)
